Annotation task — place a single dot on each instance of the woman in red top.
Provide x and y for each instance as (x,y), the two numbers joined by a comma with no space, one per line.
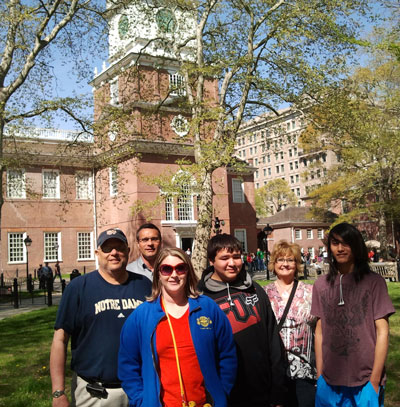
(178,349)
(173,278)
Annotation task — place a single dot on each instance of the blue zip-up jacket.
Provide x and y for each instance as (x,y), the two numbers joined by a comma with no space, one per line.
(212,340)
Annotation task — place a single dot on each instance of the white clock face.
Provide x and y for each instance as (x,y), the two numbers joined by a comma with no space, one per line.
(180,125)
(166,20)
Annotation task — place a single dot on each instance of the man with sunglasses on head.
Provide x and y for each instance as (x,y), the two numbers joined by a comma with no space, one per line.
(148,238)
(92,311)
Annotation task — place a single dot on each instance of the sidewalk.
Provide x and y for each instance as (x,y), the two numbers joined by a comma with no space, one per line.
(7,310)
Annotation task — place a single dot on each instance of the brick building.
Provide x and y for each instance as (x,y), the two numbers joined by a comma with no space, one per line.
(271,144)
(293,225)
(64,202)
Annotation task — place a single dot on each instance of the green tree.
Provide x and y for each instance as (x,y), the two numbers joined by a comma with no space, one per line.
(33,35)
(274,197)
(359,119)
(262,53)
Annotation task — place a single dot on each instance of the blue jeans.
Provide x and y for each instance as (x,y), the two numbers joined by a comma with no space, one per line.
(343,396)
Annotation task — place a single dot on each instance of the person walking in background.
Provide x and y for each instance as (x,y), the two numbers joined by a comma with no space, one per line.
(178,347)
(254,263)
(291,303)
(47,274)
(260,258)
(42,281)
(353,306)
(261,376)
(57,271)
(249,265)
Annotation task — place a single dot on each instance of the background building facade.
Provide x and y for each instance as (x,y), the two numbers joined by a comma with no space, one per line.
(117,179)
(271,144)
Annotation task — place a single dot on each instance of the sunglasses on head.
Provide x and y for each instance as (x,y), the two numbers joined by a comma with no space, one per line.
(167,270)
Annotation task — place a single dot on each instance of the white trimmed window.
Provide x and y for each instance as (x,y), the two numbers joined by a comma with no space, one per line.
(320,234)
(240,235)
(297,234)
(113,178)
(52,246)
(237,191)
(185,203)
(309,234)
(16,248)
(84,189)
(169,208)
(51,184)
(85,245)
(177,85)
(16,187)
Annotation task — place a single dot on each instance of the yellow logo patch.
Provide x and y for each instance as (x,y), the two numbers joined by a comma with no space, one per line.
(204,322)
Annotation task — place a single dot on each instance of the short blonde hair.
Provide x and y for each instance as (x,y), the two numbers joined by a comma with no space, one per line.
(283,248)
(191,281)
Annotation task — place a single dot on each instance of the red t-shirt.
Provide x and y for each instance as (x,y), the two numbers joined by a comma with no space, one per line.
(192,378)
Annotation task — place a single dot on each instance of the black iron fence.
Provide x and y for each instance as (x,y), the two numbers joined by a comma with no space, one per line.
(32,290)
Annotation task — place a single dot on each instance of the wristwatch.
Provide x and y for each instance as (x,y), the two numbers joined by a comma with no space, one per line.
(58,393)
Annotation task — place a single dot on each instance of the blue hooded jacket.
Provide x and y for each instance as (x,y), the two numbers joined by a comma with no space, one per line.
(212,339)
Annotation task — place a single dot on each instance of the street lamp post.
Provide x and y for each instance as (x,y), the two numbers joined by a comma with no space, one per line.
(55,247)
(217,225)
(267,231)
(28,242)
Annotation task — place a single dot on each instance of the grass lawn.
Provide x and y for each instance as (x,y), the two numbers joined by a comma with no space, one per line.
(25,345)
(24,359)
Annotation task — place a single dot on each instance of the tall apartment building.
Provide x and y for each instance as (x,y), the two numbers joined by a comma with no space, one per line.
(271,144)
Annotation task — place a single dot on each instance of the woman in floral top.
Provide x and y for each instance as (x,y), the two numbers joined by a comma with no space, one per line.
(297,331)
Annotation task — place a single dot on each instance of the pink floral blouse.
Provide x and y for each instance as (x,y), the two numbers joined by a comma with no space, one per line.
(297,332)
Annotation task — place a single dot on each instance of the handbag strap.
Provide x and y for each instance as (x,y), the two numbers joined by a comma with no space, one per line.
(184,403)
(288,304)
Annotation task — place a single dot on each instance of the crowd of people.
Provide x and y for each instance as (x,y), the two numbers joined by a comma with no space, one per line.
(150,333)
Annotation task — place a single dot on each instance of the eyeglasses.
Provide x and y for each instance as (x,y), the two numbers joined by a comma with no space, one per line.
(167,270)
(148,239)
(288,261)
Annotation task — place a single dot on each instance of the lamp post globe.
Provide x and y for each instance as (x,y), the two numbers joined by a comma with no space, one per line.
(28,242)
(267,231)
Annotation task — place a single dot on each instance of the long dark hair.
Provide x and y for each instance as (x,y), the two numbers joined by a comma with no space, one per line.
(351,236)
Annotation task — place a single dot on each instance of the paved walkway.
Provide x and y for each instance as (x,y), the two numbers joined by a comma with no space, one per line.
(7,310)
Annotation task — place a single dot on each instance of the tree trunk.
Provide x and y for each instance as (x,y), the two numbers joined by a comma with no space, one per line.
(382,230)
(203,230)
(2,167)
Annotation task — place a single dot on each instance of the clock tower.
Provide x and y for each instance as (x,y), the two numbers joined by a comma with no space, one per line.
(142,121)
